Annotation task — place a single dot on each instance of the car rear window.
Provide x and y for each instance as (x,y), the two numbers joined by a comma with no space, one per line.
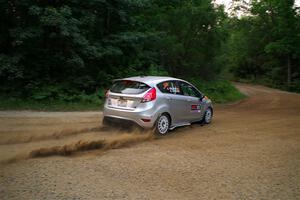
(129,87)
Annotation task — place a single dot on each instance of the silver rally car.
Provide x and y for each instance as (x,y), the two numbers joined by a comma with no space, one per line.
(162,103)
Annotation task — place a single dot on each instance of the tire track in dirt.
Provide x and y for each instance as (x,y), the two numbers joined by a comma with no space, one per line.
(125,140)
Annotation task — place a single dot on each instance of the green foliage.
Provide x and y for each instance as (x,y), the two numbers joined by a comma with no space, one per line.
(190,37)
(265,46)
(67,95)
(10,68)
(9,103)
(295,86)
(52,98)
(156,71)
(67,50)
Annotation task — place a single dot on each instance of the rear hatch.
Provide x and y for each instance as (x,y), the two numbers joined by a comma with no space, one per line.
(126,94)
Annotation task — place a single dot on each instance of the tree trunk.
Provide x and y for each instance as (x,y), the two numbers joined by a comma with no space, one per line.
(289,71)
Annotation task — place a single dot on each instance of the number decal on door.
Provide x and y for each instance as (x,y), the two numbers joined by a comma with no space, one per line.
(196,108)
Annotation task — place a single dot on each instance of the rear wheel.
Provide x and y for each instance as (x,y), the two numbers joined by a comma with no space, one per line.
(207,116)
(162,125)
(105,122)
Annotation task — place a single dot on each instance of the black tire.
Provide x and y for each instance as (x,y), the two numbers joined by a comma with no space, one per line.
(106,122)
(162,125)
(207,117)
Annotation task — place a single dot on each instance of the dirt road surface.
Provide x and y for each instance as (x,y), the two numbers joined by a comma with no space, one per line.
(250,151)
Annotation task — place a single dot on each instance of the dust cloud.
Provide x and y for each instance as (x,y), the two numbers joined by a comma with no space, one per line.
(124,140)
(55,135)
(114,139)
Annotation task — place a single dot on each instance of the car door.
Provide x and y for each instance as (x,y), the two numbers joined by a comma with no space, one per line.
(176,101)
(194,105)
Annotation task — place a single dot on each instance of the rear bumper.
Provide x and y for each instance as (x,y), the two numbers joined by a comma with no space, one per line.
(118,116)
(120,123)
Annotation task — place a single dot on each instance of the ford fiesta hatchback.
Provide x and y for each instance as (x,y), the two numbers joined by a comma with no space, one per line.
(162,103)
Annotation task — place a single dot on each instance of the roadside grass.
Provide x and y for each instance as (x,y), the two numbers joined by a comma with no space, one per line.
(294,87)
(48,105)
(220,91)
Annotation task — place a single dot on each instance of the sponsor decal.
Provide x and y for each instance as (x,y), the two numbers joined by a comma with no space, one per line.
(195,108)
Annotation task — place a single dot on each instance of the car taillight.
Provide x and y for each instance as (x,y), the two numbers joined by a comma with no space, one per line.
(149,96)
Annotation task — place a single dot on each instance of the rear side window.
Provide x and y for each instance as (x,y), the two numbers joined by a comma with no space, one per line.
(129,87)
(170,87)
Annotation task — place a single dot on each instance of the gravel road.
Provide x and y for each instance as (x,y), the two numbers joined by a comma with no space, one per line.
(250,151)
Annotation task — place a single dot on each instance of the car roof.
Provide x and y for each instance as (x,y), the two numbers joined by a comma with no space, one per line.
(150,80)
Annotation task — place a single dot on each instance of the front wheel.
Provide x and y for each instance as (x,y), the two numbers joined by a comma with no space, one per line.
(162,125)
(207,116)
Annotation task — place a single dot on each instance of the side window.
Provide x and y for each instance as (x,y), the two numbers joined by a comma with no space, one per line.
(189,90)
(165,87)
(169,87)
(176,88)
